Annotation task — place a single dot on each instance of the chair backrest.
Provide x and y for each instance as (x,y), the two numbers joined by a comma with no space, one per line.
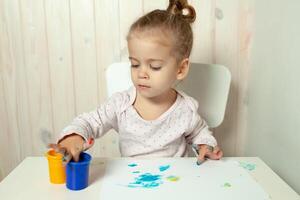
(208,83)
(118,77)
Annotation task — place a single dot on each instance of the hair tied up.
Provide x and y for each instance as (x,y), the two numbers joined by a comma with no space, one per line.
(176,7)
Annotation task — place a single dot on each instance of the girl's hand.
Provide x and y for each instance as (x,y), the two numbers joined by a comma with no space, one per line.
(209,152)
(71,146)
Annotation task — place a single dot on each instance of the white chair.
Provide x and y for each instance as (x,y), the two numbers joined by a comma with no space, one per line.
(208,83)
(118,77)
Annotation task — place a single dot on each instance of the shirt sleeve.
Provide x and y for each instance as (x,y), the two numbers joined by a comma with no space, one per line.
(200,133)
(96,123)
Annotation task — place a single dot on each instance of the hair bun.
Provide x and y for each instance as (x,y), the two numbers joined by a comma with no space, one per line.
(177,7)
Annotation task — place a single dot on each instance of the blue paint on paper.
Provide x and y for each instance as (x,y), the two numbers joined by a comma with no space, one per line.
(164,167)
(247,166)
(146,180)
(132,165)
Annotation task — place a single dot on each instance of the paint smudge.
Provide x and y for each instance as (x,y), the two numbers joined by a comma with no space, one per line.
(227,185)
(173,178)
(132,165)
(247,166)
(164,167)
(146,180)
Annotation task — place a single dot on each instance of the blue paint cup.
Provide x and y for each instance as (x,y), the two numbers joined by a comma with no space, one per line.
(77,173)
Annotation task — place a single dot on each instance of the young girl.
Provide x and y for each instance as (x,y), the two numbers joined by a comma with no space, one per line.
(152,118)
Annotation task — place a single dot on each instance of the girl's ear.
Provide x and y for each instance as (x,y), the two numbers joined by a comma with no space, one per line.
(183,69)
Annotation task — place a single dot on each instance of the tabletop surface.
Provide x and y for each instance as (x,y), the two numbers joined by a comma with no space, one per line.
(29,180)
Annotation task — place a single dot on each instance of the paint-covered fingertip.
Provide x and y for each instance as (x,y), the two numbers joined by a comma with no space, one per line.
(199,162)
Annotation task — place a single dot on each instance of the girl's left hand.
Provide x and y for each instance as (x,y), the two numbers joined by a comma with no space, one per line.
(209,152)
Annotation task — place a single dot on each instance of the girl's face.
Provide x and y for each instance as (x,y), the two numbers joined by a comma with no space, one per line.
(153,69)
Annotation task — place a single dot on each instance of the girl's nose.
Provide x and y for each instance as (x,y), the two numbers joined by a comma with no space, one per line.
(142,73)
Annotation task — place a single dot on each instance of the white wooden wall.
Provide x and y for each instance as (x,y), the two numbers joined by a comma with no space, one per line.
(53,54)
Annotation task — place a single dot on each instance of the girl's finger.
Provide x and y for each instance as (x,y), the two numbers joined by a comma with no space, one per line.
(62,150)
(53,146)
(67,158)
(218,152)
(57,148)
(75,152)
(215,155)
(216,149)
(202,153)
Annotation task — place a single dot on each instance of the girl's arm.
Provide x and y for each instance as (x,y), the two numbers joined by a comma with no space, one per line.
(80,134)
(205,142)
(200,133)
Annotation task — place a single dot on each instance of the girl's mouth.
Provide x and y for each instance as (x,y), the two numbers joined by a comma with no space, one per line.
(143,86)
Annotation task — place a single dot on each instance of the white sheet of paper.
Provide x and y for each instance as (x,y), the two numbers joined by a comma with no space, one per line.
(224,180)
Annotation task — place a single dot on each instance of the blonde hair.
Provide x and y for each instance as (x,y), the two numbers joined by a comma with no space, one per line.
(173,23)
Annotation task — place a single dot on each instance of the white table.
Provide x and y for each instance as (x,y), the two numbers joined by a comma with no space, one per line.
(30,181)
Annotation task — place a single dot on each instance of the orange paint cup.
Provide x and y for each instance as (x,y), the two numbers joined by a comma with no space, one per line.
(57,172)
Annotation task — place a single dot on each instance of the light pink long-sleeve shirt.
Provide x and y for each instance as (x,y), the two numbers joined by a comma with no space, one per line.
(165,136)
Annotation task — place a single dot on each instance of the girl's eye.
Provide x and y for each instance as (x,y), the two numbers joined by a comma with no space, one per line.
(156,68)
(134,66)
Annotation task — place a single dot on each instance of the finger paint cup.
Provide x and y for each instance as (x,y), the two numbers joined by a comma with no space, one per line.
(78,172)
(57,171)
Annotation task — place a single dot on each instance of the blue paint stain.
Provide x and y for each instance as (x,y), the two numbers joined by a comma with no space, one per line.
(248,166)
(146,180)
(132,165)
(164,167)
(136,172)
